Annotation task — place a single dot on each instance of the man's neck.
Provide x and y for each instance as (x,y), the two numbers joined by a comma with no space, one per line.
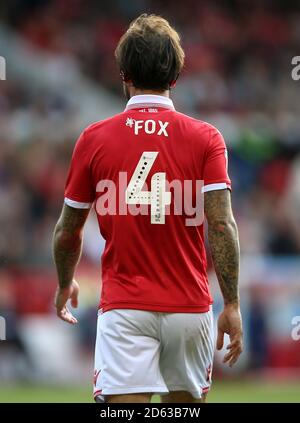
(136,91)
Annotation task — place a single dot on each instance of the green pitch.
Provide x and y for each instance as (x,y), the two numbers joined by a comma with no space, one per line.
(222,392)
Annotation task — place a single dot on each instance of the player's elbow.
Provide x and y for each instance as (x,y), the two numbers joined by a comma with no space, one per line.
(223,225)
(66,239)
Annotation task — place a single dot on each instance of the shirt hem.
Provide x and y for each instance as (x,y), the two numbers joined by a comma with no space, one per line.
(157,307)
(77,204)
(216,186)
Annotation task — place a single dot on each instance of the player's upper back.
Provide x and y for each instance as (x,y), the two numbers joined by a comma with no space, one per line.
(182,148)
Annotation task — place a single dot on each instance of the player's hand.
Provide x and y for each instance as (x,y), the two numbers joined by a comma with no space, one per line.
(61,298)
(230,322)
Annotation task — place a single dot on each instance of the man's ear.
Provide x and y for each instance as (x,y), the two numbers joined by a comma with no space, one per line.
(125,78)
(173,83)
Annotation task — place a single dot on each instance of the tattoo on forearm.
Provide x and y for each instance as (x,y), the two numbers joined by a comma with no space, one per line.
(224,242)
(67,243)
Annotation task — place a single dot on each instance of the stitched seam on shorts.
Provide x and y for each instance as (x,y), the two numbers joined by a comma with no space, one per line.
(132,387)
(184,388)
(159,328)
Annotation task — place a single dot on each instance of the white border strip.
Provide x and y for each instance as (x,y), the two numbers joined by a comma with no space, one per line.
(215,187)
(77,204)
(149,100)
(134,389)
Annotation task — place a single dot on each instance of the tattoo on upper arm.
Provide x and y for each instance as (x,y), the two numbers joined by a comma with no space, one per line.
(224,243)
(72,220)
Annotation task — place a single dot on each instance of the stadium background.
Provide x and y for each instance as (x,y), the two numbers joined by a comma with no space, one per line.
(61,76)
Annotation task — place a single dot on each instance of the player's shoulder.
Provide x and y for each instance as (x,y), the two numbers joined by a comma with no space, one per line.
(101,125)
(198,126)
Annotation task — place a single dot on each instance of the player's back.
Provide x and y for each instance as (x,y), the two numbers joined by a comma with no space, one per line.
(145,171)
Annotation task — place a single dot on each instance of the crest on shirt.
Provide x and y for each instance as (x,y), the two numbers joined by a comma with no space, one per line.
(130,122)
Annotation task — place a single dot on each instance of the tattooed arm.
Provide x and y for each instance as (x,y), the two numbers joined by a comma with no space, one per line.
(67,244)
(224,245)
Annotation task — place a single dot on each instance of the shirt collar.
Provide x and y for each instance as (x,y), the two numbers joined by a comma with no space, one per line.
(146,100)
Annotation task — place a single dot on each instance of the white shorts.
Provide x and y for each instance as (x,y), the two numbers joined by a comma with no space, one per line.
(144,351)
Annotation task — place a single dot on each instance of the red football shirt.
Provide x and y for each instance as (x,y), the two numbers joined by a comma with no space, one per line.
(140,170)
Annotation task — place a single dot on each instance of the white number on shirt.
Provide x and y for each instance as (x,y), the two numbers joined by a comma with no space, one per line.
(158,198)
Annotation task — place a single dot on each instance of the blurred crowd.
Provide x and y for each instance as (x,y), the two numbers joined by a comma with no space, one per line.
(237,76)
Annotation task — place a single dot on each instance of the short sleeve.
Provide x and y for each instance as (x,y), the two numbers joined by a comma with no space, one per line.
(79,191)
(215,173)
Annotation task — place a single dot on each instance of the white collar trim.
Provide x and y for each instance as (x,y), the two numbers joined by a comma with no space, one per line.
(146,100)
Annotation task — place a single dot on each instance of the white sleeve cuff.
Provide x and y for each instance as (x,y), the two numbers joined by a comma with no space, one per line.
(77,204)
(215,187)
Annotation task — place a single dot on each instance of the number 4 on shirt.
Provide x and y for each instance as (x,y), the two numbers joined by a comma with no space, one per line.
(158,198)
